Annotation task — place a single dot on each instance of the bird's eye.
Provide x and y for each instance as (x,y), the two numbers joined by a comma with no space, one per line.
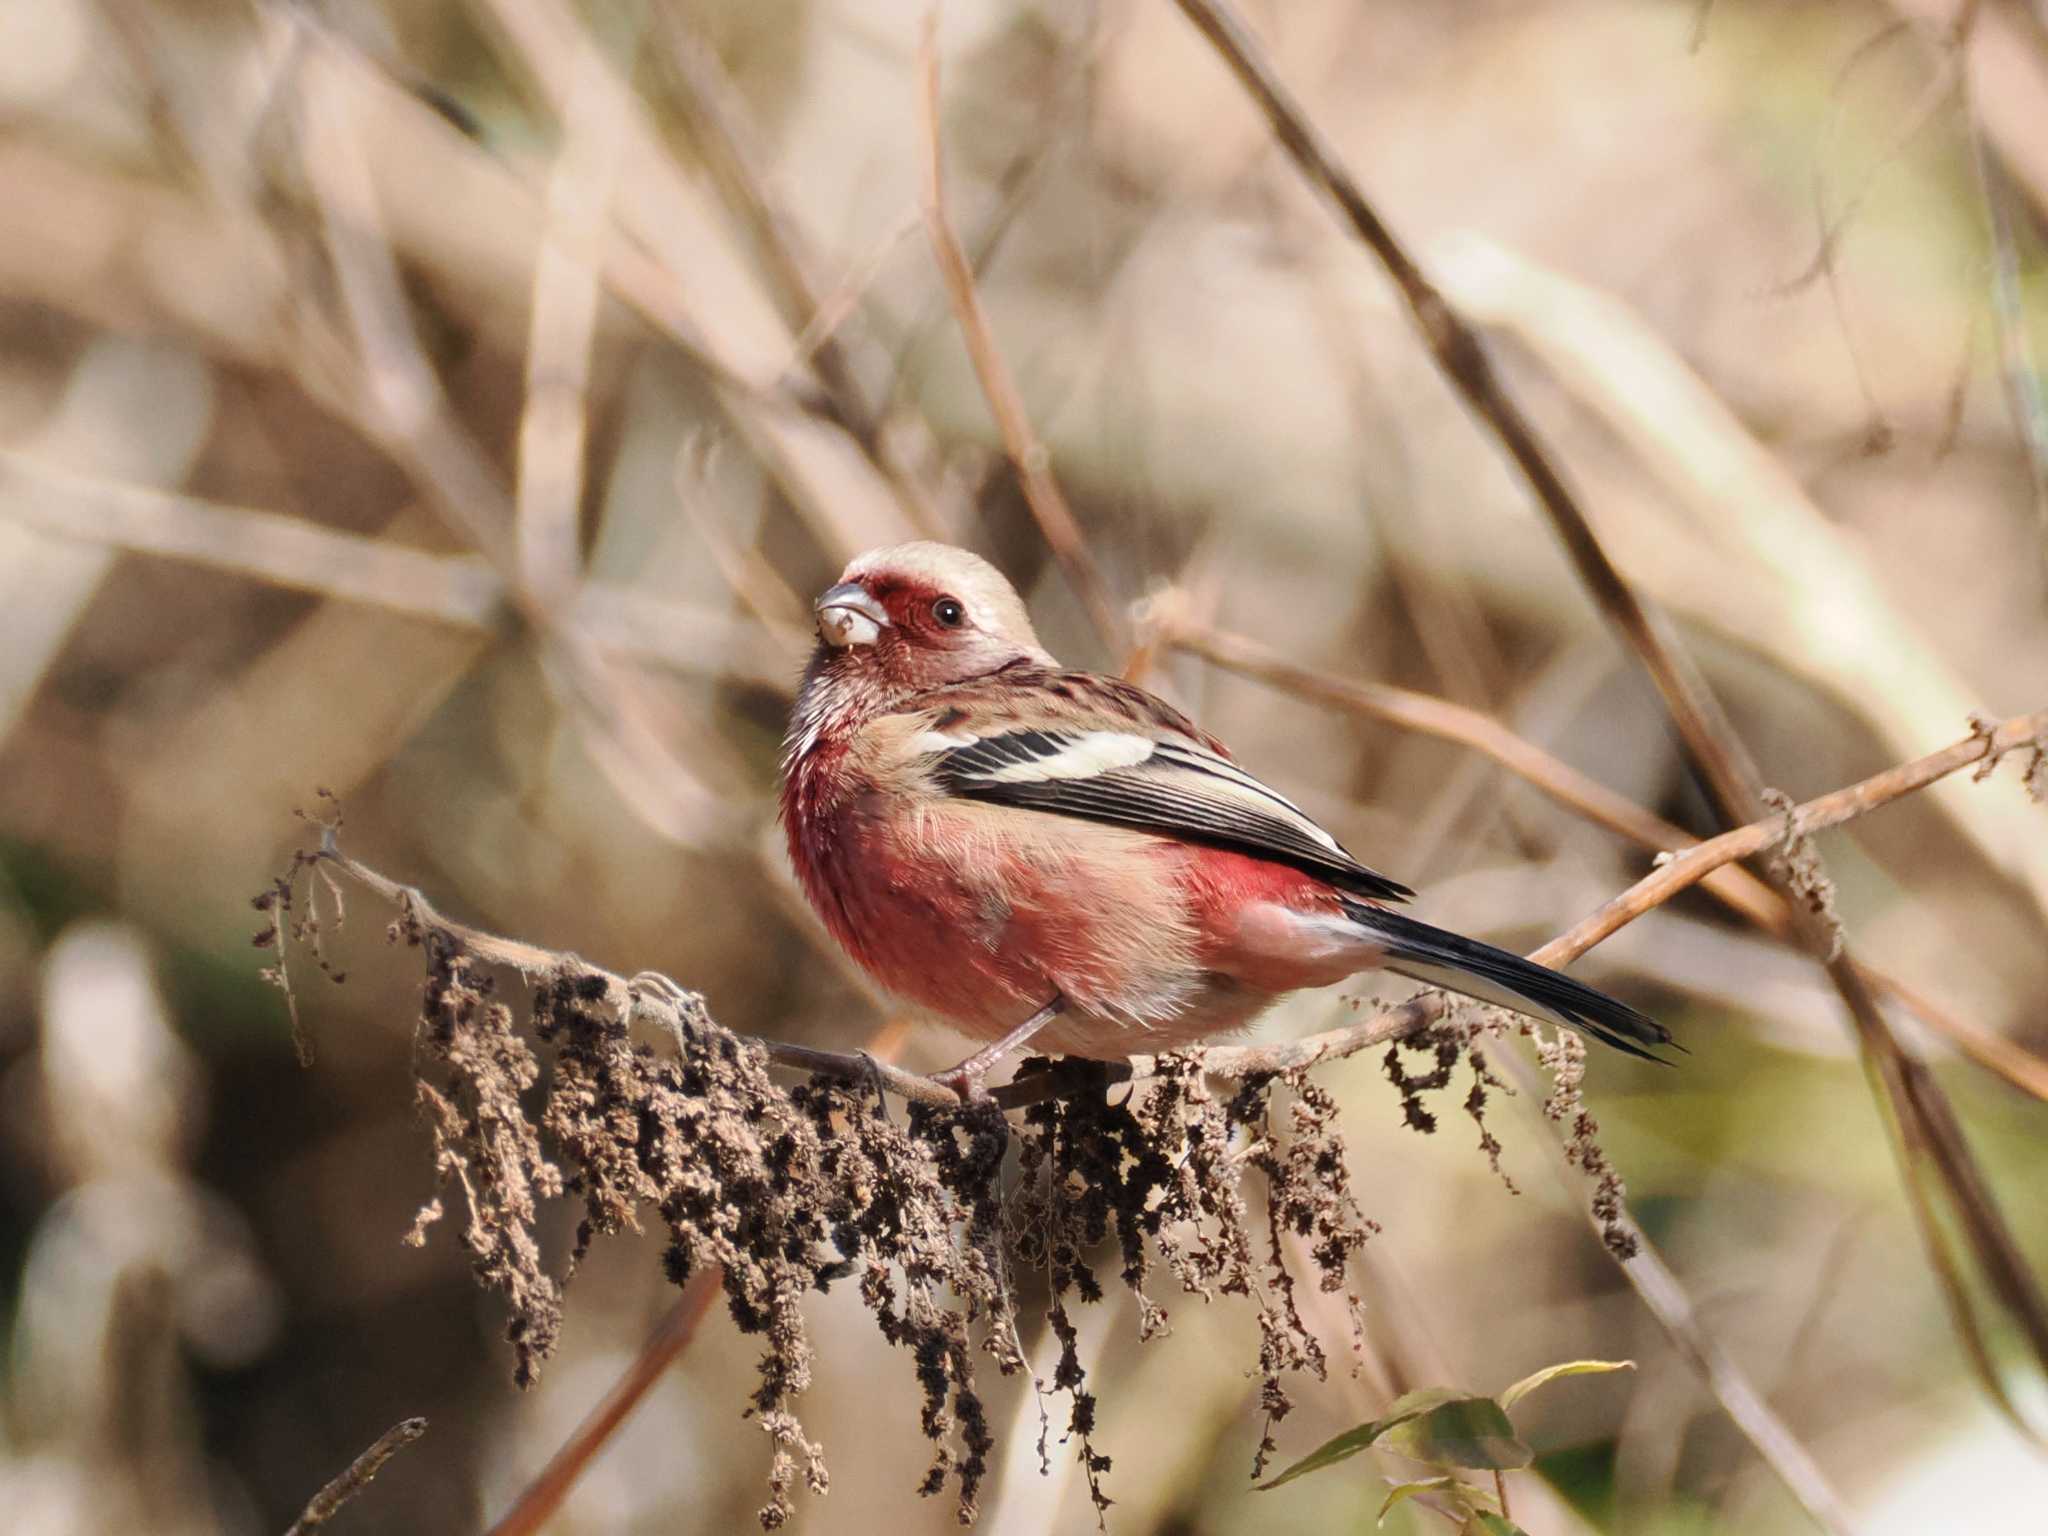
(947,611)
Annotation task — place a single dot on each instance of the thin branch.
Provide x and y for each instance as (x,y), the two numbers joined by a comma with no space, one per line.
(1799,591)
(1466,365)
(2021,732)
(1660,885)
(1426,715)
(357,1477)
(834,308)
(1735,887)
(662,1348)
(1056,520)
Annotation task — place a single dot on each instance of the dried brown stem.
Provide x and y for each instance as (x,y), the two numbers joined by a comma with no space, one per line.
(358,1476)
(1689,867)
(460,591)
(555,425)
(1465,364)
(661,1349)
(1027,454)
(1735,887)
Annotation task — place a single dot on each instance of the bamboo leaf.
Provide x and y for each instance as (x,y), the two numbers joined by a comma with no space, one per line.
(1460,1432)
(1550,1373)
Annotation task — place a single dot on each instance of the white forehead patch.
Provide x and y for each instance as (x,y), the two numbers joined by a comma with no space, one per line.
(992,604)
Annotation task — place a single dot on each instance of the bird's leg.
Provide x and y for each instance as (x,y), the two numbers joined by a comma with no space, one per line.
(965,1079)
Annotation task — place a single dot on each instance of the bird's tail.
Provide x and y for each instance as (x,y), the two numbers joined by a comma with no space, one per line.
(1458,964)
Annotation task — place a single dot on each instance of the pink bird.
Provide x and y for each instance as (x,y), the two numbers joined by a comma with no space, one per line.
(1029,852)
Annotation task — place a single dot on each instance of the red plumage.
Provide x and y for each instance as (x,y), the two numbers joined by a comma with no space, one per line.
(987,833)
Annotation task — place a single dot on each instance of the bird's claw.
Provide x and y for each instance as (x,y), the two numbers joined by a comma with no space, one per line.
(966,1080)
(877,1082)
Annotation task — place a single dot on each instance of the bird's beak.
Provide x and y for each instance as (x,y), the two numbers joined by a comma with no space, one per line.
(848,615)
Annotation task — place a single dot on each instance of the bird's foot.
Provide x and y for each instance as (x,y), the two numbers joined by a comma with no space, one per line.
(877,1081)
(668,1003)
(965,1078)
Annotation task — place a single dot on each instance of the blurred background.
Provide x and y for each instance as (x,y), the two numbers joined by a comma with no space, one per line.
(454,405)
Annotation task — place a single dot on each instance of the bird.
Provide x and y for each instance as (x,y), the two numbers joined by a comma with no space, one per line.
(1032,853)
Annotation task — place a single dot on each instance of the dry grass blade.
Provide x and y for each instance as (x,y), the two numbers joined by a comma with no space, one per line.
(718,115)
(385,379)
(671,227)
(461,591)
(1791,584)
(554,428)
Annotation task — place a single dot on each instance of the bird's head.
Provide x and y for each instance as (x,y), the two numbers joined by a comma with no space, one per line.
(918,616)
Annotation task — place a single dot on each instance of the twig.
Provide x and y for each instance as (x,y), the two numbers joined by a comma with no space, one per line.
(358,1476)
(1801,593)
(1426,715)
(1831,810)
(1735,887)
(836,306)
(1027,454)
(1465,364)
(461,591)
(2003,54)
(685,269)
(661,1349)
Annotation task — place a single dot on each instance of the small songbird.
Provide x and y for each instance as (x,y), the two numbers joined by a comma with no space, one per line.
(1022,850)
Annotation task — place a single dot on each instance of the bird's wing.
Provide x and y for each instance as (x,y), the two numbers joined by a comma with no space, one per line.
(1133,761)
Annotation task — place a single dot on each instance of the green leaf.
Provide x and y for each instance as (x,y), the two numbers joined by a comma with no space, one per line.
(1464,1492)
(1459,1431)
(1549,1373)
(1343,1447)
(1484,1522)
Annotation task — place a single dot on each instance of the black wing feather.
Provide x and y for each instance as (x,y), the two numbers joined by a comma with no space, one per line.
(1164,794)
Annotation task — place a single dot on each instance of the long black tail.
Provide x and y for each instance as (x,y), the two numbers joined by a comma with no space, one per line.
(1449,960)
